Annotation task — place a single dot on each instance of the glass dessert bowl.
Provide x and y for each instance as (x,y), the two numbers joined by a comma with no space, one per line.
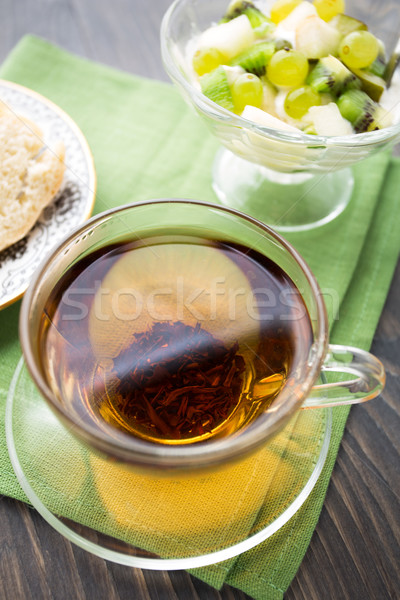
(290,179)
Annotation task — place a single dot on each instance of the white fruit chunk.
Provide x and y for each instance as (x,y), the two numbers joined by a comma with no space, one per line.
(269,97)
(316,39)
(262,118)
(327,120)
(390,99)
(295,17)
(229,38)
(232,73)
(383,117)
(260,148)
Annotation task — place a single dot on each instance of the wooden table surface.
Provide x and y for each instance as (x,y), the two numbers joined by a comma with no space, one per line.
(355,551)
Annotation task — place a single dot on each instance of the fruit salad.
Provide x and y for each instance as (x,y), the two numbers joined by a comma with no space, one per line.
(302,66)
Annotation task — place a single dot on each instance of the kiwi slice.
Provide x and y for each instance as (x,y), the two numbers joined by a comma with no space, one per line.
(255,58)
(345,24)
(242,7)
(282,45)
(215,86)
(358,108)
(371,84)
(332,76)
(378,67)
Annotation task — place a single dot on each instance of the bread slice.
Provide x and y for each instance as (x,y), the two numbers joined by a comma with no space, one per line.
(30,175)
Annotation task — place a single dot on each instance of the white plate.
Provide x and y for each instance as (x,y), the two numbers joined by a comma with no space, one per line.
(71,206)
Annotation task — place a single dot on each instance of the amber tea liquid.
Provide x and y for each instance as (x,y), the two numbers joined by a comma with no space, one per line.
(172,339)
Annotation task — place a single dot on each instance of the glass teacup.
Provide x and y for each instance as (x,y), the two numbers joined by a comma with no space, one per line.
(117,308)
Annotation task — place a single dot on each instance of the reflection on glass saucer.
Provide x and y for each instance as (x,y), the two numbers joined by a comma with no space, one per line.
(157,522)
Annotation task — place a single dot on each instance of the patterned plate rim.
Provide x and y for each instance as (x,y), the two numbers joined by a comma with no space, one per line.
(92,182)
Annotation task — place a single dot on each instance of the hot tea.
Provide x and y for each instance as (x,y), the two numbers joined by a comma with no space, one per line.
(173,339)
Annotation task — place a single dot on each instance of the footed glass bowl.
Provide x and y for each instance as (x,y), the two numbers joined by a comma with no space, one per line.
(292,181)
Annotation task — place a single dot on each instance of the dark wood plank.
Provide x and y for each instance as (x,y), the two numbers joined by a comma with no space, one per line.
(355,551)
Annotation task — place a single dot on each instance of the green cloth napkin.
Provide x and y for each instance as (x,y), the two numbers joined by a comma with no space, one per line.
(146,144)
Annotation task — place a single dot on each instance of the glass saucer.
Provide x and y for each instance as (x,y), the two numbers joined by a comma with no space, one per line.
(155,522)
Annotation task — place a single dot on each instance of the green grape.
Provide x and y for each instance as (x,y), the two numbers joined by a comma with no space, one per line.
(247,89)
(327,9)
(359,49)
(207,59)
(298,101)
(287,68)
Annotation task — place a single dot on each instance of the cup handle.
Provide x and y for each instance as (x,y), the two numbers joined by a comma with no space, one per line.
(368,382)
